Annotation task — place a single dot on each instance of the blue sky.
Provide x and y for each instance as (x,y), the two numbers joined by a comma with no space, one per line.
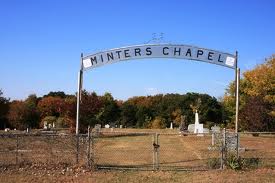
(41,42)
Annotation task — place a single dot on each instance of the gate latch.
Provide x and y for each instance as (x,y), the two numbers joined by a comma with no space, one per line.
(156,146)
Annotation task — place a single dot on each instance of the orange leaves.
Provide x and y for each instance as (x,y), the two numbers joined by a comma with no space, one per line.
(51,106)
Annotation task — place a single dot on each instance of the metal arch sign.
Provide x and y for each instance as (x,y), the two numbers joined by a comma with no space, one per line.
(177,51)
(145,51)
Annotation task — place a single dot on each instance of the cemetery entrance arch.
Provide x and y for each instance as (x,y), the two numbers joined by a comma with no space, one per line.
(176,51)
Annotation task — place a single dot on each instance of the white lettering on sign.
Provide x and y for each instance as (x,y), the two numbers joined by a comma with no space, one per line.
(159,51)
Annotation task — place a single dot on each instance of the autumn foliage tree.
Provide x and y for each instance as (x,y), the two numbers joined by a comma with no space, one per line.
(51,106)
(257,98)
(4,109)
(90,107)
(260,82)
(24,114)
(254,115)
(139,112)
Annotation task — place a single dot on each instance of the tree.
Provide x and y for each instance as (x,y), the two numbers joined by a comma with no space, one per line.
(17,115)
(23,114)
(158,123)
(256,87)
(4,109)
(51,106)
(128,115)
(143,115)
(60,94)
(110,111)
(32,114)
(260,82)
(176,116)
(69,114)
(89,108)
(254,115)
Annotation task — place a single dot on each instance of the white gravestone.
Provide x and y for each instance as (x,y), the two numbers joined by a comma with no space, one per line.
(215,129)
(191,128)
(198,127)
(45,125)
(171,125)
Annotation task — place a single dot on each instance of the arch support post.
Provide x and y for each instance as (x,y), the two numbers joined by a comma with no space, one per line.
(79,89)
(237,88)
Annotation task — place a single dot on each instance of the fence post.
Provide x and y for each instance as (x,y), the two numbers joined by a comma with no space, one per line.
(238,144)
(154,140)
(77,148)
(225,144)
(93,161)
(213,140)
(17,146)
(88,148)
(157,152)
(223,148)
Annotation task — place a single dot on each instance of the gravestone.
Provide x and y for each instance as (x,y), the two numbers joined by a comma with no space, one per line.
(171,125)
(217,139)
(45,126)
(191,128)
(97,129)
(216,135)
(182,126)
(215,129)
(205,130)
(198,127)
(232,141)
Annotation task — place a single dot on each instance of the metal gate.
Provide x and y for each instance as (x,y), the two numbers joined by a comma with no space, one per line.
(152,151)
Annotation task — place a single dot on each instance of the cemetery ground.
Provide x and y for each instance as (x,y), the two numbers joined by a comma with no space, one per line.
(23,175)
(52,160)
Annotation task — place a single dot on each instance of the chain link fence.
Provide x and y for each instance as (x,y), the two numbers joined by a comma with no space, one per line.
(153,151)
(258,149)
(189,151)
(43,149)
(135,150)
(123,150)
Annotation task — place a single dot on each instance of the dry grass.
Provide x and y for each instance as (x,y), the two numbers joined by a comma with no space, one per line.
(229,176)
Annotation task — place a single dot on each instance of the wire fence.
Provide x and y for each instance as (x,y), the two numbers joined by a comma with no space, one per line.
(258,148)
(135,150)
(155,151)
(46,150)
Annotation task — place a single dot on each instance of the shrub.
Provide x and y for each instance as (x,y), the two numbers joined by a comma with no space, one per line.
(233,162)
(214,163)
(236,163)
(157,123)
(61,123)
(251,162)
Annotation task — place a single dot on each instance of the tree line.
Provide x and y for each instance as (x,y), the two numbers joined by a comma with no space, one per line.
(257,107)
(137,112)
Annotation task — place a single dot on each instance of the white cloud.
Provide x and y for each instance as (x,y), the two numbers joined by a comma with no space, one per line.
(151,91)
